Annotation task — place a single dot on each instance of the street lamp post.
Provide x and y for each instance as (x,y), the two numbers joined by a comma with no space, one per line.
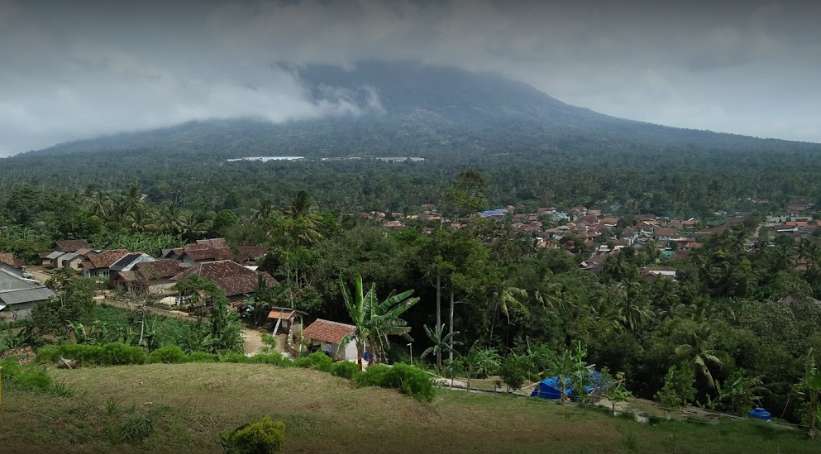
(410,346)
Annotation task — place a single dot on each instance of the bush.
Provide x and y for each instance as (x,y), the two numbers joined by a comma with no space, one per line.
(117,353)
(169,355)
(275,359)
(316,360)
(345,369)
(30,378)
(261,436)
(108,354)
(202,357)
(515,370)
(678,387)
(233,357)
(135,429)
(407,379)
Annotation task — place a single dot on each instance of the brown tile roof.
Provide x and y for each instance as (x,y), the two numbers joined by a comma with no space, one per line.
(9,259)
(249,253)
(157,270)
(233,278)
(327,331)
(209,254)
(105,259)
(213,243)
(72,245)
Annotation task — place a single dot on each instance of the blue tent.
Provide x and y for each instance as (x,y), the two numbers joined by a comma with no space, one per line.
(549,388)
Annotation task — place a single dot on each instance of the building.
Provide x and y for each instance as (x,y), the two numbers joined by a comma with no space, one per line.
(19,295)
(8,260)
(150,278)
(128,261)
(330,337)
(98,265)
(234,279)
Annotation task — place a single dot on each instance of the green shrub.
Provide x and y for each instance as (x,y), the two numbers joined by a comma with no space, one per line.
(407,379)
(135,428)
(275,359)
(515,370)
(117,353)
(345,369)
(30,378)
(316,360)
(233,357)
(202,357)
(170,354)
(108,354)
(263,435)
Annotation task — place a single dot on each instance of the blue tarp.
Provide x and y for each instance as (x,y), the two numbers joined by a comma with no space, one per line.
(759,413)
(549,387)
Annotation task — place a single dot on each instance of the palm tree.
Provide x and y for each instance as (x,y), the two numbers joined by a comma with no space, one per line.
(441,341)
(702,357)
(507,298)
(375,320)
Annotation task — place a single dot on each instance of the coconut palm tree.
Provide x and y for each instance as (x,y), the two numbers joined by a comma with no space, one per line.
(700,355)
(375,320)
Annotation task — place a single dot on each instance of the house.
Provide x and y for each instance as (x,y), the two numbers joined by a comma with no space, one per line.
(8,260)
(330,337)
(19,295)
(62,247)
(288,324)
(71,245)
(152,278)
(665,234)
(659,271)
(98,265)
(73,260)
(249,254)
(129,261)
(193,256)
(50,259)
(212,250)
(234,279)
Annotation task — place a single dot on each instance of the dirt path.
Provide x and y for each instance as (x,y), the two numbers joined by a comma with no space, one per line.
(252,339)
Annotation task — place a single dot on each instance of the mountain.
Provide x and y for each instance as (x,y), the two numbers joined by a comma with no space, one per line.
(407,108)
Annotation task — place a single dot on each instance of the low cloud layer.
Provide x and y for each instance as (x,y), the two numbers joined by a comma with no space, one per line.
(70,70)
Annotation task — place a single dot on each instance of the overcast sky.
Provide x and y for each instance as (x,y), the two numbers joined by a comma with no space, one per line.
(75,69)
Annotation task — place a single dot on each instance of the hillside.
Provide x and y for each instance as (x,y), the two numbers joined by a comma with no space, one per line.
(189,404)
(407,108)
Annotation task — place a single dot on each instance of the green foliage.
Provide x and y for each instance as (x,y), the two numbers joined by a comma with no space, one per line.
(135,428)
(73,302)
(345,369)
(261,436)
(482,362)
(515,370)
(316,360)
(170,354)
(30,378)
(101,355)
(678,389)
(407,379)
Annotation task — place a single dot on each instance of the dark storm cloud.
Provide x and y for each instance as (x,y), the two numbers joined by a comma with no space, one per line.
(76,69)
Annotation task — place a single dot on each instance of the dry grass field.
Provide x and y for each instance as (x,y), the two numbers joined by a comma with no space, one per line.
(184,407)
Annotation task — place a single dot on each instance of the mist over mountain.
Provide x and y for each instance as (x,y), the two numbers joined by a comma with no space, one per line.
(406,108)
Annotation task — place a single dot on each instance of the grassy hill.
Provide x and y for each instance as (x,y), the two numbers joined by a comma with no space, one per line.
(188,405)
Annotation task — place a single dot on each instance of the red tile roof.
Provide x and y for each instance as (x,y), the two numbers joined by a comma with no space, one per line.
(233,278)
(105,259)
(282,314)
(327,331)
